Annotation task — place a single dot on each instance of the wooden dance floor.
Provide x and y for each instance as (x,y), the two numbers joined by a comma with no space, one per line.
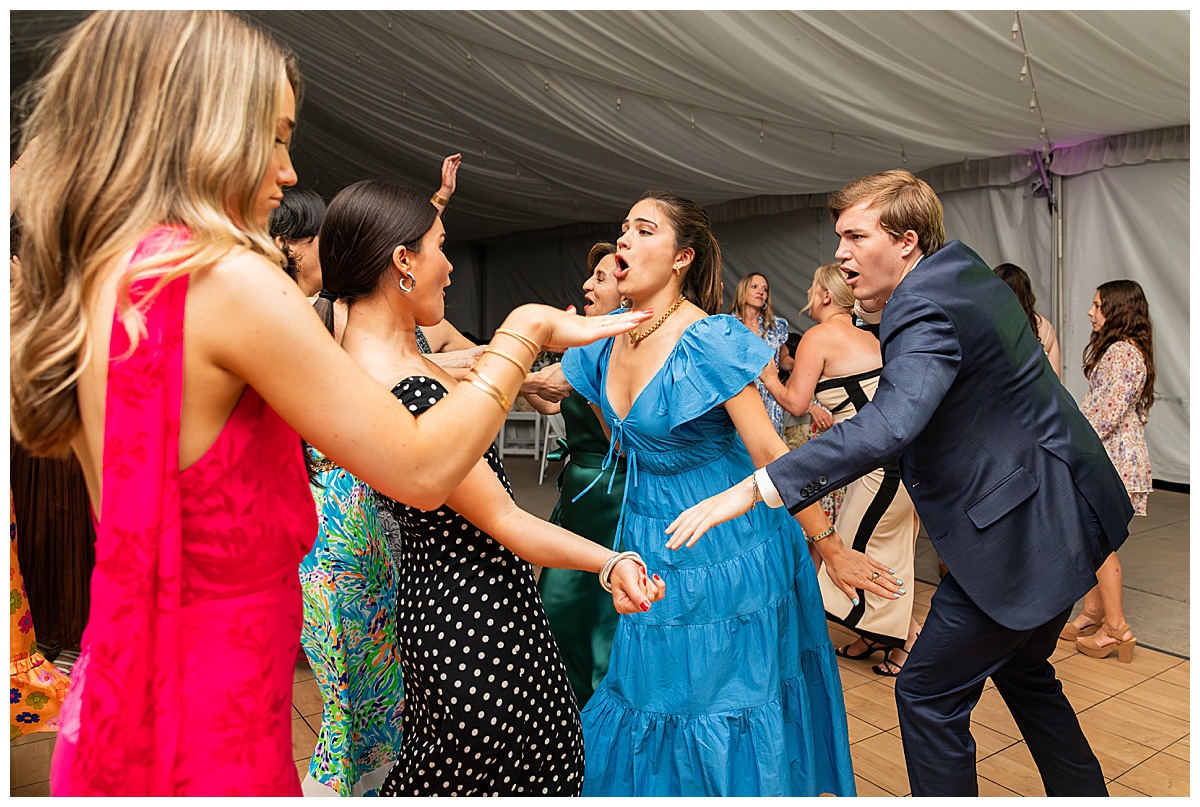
(1136,716)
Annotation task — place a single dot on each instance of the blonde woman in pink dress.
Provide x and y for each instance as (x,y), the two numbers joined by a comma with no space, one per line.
(1119,365)
(155,336)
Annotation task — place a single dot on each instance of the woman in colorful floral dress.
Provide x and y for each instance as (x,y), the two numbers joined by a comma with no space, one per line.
(1119,365)
(349,589)
(36,687)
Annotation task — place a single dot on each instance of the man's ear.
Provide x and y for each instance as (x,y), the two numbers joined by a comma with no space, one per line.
(909,242)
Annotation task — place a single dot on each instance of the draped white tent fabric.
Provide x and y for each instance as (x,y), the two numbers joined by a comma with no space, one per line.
(565,117)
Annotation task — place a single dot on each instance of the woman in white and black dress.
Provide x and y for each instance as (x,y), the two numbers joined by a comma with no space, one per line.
(840,364)
(488,708)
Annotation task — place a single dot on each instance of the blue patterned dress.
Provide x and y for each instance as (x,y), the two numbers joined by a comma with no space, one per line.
(774,337)
(729,686)
(349,636)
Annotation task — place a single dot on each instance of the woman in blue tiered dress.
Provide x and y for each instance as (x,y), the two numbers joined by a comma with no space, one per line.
(730,685)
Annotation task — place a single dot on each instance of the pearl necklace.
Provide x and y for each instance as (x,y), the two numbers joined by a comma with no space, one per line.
(635,336)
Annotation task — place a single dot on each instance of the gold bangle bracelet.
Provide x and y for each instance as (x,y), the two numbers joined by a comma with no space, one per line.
(17,163)
(821,536)
(437,200)
(494,352)
(533,346)
(491,387)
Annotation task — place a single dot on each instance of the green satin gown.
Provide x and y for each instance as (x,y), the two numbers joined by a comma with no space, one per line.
(581,613)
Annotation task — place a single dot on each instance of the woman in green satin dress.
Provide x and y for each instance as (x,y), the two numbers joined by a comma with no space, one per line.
(581,613)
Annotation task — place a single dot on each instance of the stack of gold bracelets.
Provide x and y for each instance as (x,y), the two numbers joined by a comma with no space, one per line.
(486,384)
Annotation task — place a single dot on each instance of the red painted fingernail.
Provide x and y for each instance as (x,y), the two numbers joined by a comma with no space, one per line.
(645,606)
(656,577)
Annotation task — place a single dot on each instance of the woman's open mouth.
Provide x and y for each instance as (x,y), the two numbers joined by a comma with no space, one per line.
(622,266)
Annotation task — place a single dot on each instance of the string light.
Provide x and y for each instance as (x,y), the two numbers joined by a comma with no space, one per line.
(470,59)
(618,103)
(903,156)
(1027,70)
(547,84)
(762,130)
(966,163)
(832,143)
(693,116)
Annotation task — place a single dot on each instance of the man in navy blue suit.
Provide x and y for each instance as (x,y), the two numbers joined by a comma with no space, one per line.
(1011,482)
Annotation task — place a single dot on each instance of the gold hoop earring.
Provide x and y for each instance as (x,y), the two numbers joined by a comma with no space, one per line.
(676,271)
(412,283)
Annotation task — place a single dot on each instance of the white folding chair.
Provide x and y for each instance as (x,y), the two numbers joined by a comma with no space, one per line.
(555,427)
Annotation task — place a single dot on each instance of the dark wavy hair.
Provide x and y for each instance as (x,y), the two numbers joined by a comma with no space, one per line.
(1018,281)
(1126,319)
(702,281)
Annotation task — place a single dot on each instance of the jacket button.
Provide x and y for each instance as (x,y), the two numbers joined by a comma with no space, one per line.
(823,481)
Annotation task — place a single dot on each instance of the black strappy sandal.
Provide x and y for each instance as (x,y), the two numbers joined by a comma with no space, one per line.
(872,647)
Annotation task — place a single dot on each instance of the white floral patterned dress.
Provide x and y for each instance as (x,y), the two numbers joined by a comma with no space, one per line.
(1111,406)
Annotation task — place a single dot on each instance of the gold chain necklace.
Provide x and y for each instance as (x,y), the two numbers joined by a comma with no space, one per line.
(635,337)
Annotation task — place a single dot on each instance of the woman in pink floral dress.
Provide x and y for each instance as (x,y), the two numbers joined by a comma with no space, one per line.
(1119,365)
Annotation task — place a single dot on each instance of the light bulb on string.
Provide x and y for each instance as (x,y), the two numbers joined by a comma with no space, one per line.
(693,116)
(762,130)
(832,143)
(1033,104)
(546,84)
(1016,29)
(618,103)
(470,58)
(1024,68)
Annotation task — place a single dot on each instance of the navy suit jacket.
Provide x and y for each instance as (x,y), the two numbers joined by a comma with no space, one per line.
(1010,480)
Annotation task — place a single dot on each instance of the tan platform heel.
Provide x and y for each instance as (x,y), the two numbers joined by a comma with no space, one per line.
(1089,647)
(1071,633)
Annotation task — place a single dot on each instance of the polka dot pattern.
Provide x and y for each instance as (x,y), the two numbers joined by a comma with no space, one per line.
(488,708)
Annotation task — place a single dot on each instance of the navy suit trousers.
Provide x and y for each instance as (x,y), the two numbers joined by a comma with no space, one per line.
(943,678)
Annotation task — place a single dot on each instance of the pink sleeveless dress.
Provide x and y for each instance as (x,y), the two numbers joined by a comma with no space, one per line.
(184,683)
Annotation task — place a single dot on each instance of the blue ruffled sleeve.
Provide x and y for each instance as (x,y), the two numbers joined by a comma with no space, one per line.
(716,358)
(583,368)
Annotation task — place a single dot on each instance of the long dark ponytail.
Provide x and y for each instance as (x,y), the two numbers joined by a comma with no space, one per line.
(702,281)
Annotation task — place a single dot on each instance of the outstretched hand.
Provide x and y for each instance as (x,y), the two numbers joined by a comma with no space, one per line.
(700,518)
(449,175)
(633,589)
(565,329)
(770,373)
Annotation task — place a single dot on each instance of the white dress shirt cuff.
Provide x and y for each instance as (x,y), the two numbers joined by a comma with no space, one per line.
(766,488)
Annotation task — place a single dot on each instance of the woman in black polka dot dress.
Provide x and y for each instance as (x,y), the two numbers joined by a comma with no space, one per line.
(488,708)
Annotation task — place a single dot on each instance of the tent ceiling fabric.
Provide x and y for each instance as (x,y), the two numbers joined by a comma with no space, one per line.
(715,105)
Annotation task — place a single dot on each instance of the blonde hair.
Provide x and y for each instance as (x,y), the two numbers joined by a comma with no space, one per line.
(144,118)
(743,291)
(905,203)
(829,276)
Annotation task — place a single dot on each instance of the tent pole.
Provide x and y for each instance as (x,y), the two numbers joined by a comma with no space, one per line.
(1058,265)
